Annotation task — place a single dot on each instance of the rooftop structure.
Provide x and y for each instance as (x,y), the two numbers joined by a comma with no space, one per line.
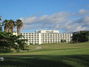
(48,31)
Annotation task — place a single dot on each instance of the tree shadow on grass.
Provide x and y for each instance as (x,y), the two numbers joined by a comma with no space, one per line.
(45,61)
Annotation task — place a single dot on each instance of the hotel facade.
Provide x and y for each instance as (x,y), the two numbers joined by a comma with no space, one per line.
(46,36)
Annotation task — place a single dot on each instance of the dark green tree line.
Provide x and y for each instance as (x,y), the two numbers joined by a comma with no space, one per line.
(81,36)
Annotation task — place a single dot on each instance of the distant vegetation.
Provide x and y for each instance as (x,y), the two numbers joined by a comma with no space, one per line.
(81,36)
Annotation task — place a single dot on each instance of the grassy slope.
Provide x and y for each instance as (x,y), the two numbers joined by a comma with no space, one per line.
(50,55)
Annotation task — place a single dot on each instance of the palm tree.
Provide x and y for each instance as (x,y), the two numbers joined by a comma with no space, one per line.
(9,25)
(6,25)
(0,18)
(0,24)
(19,25)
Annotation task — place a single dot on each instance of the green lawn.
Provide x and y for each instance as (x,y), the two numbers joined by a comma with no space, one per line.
(49,55)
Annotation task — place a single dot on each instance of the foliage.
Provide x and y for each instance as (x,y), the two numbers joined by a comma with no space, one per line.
(9,41)
(0,24)
(19,25)
(63,40)
(8,25)
(81,36)
(0,18)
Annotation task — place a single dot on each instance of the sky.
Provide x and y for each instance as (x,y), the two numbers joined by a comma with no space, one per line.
(62,15)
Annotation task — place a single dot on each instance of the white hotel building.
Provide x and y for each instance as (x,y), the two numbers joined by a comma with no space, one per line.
(46,36)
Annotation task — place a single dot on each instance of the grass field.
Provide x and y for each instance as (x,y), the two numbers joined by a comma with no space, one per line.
(49,55)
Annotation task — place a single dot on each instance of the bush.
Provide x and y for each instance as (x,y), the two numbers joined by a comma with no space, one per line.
(9,41)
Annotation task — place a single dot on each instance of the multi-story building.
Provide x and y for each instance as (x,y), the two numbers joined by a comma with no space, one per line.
(46,36)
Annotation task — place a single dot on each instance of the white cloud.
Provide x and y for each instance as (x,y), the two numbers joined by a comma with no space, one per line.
(57,17)
(79,24)
(86,19)
(30,20)
(61,20)
(83,11)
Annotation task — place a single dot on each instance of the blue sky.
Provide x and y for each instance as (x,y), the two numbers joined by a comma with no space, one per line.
(32,12)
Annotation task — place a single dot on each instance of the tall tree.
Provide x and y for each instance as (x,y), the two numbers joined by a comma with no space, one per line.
(0,18)
(0,24)
(6,25)
(9,25)
(19,25)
